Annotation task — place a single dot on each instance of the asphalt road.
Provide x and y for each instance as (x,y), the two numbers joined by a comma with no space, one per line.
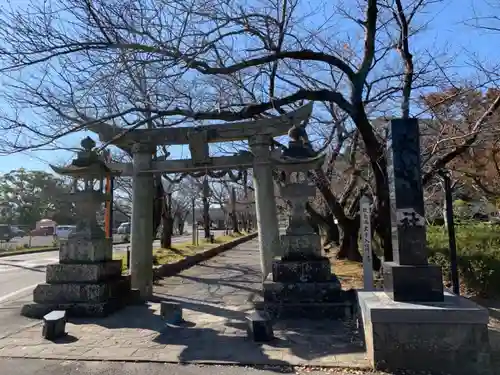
(39,241)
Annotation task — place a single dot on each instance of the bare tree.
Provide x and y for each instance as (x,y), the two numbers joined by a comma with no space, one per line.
(223,60)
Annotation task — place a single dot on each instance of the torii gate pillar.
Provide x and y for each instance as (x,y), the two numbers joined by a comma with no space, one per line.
(265,203)
(141,262)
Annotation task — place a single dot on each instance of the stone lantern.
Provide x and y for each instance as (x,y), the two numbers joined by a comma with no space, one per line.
(86,281)
(301,283)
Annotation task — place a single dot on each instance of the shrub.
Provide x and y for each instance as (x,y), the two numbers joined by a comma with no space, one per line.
(478,255)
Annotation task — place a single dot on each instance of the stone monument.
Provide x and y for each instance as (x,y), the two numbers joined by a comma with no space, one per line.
(413,324)
(301,283)
(86,281)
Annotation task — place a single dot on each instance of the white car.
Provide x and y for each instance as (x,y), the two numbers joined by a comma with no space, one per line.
(63,231)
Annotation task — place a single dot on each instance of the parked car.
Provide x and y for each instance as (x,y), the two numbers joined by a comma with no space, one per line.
(17,232)
(43,231)
(63,231)
(124,228)
(6,233)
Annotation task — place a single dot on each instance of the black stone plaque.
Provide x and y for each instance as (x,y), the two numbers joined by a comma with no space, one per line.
(406,192)
(409,277)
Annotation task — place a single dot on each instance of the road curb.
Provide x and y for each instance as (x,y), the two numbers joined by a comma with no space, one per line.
(22,252)
(45,250)
(166,270)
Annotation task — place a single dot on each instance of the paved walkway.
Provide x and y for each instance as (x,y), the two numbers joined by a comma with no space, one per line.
(216,296)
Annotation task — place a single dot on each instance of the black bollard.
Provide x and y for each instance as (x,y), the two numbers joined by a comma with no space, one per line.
(451,231)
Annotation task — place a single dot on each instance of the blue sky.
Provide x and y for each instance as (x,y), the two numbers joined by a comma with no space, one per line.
(446,30)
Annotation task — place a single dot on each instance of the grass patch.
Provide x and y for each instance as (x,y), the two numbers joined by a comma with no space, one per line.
(478,253)
(478,256)
(20,249)
(182,250)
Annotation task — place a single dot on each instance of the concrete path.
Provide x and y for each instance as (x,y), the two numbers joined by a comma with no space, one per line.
(216,296)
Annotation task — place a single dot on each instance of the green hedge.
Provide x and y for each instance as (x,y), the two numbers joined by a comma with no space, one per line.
(478,252)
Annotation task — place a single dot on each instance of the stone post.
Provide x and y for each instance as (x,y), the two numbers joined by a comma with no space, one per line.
(141,271)
(267,218)
(409,277)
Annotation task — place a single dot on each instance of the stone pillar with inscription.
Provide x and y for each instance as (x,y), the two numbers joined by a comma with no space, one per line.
(86,281)
(301,283)
(409,277)
(141,256)
(267,216)
(413,324)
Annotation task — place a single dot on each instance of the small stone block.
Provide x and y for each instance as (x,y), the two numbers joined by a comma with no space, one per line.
(301,246)
(171,312)
(54,325)
(259,327)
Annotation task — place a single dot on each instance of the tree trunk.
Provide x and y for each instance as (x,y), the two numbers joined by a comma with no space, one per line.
(234,222)
(206,210)
(166,235)
(234,215)
(349,241)
(378,162)
(206,220)
(158,205)
(180,226)
(382,224)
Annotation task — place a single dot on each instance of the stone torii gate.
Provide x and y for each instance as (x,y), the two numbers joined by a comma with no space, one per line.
(143,143)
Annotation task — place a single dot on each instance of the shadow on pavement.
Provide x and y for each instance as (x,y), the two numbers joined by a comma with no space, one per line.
(67,339)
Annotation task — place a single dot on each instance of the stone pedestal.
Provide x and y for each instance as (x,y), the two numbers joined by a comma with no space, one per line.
(449,337)
(85,282)
(413,324)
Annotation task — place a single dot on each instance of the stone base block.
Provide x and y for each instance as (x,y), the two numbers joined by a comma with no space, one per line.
(101,309)
(305,245)
(413,283)
(81,250)
(339,304)
(305,310)
(449,336)
(259,327)
(76,292)
(83,273)
(304,271)
(303,292)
